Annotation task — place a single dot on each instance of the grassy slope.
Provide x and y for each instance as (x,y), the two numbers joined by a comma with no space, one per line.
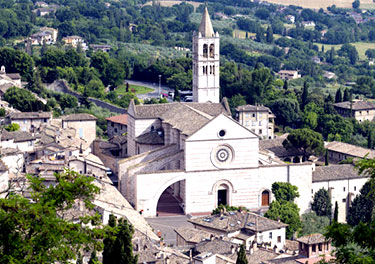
(360,46)
(138,89)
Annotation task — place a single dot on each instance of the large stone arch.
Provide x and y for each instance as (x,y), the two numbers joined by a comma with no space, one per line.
(155,197)
(229,187)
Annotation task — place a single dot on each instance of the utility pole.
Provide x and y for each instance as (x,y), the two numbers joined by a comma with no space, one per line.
(159,86)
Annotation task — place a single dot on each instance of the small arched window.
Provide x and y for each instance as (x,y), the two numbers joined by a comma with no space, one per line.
(265,198)
(205,50)
(204,70)
(212,51)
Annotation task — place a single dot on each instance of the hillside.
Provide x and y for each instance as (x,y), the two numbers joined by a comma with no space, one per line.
(368,4)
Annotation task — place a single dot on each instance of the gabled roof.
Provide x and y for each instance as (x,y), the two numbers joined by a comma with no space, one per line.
(349,149)
(205,27)
(17,136)
(119,119)
(312,239)
(335,173)
(253,108)
(356,105)
(78,117)
(30,115)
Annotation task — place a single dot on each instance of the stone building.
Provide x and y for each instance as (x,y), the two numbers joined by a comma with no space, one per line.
(339,151)
(288,75)
(117,125)
(84,125)
(258,119)
(360,110)
(30,121)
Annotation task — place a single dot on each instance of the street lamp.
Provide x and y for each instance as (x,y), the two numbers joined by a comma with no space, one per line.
(159,86)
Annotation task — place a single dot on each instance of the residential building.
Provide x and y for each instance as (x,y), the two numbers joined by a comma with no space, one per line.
(289,75)
(104,48)
(360,110)
(21,140)
(343,183)
(75,41)
(45,35)
(84,125)
(8,80)
(29,121)
(4,179)
(314,247)
(244,228)
(291,18)
(308,23)
(258,119)
(117,125)
(44,11)
(339,151)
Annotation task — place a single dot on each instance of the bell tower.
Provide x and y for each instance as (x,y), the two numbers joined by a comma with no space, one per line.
(206,62)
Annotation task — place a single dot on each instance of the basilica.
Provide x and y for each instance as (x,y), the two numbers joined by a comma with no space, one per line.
(201,155)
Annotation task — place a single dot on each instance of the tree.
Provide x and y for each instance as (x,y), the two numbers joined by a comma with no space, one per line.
(338,96)
(370,53)
(311,223)
(306,140)
(321,204)
(286,212)
(356,4)
(241,256)
(349,51)
(305,94)
(286,111)
(269,35)
(336,212)
(93,258)
(346,97)
(12,127)
(326,159)
(285,85)
(284,191)
(362,208)
(118,247)
(235,101)
(2,112)
(23,100)
(94,88)
(34,231)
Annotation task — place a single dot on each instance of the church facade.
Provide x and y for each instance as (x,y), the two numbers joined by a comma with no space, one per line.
(199,152)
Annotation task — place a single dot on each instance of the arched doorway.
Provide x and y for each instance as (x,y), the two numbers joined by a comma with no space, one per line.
(222,195)
(265,198)
(172,200)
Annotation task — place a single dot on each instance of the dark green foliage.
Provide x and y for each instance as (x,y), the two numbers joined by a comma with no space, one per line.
(311,224)
(2,112)
(306,140)
(286,212)
(336,212)
(34,232)
(118,247)
(227,208)
(356,4)
(284,191)
(321,204)
(305,94)
(236,101)
(269,35)
(93,258)
(285,85)
(338,96)
(326,158)
(12,127)
(347,96)
(363,205)
(23,100)
(241,255)
(16,61)
(286,111)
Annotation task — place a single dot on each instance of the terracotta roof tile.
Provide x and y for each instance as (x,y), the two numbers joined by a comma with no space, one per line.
(78,117)
(335,172)
(312,239)
(120,119)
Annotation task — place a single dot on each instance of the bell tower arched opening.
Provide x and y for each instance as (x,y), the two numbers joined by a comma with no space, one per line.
(212,51)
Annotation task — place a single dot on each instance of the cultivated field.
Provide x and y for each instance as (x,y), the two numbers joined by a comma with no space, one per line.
(369,4)
(360,46)
(173,2)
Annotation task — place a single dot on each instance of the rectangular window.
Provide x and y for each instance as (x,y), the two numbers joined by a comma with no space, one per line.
(80,131)
(270,235)
(112,124)
(320,247)
(344,200)
(260,131)
(253,115)
(313,248)
(260,123)
(312,191)
(355,188)
(279,239)
(344,189)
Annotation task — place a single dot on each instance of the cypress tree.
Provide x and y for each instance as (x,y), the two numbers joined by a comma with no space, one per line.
(322,48)
(326,158)
(370,143)
(269,35)
(336,212)
(285,85)
(346,95)
(241,256)
(338,97)
(305,94)
(108,254)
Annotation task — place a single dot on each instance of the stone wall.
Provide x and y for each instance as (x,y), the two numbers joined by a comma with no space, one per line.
(62,86)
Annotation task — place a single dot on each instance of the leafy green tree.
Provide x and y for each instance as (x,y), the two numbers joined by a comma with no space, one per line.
(16,61)
(362,208)
(286,111)
(241,256)
(346,97)
(93,258)
(114,74)
(370,53)
(12,127)
(94,88)
(284,191)
(310,120)
(2,112)
(349,51)
(356,4)
(33,231)
(235,101)
(67,101)
(23,100)
(180,80)
(126,98)
(321,204)
(286,212)
(306,140)
(311,224)
(285,85)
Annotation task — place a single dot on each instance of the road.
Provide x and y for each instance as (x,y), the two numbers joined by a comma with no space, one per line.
(167,224)
(155,94)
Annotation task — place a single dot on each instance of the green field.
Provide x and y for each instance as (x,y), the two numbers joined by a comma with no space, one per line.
(360,46)
(138,89)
